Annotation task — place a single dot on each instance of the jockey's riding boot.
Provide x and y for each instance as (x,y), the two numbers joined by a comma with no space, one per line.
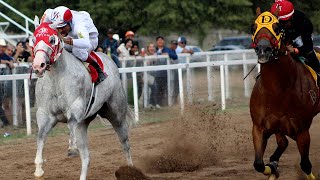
(101,74)
(313,61)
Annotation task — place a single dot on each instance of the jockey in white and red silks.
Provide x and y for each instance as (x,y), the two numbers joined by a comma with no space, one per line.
(81,35)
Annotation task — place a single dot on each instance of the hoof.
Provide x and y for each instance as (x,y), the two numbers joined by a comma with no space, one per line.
(39,178)
(73,152)
(272,177)
(311,176)
(39,175)
(274,168)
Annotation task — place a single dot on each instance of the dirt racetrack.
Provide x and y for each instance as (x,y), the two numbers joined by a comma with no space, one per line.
(209,144)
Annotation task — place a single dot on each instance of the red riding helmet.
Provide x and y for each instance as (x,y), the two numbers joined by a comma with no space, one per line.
(286,9)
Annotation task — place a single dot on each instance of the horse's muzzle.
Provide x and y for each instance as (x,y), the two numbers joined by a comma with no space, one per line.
(39,69)
(264,54)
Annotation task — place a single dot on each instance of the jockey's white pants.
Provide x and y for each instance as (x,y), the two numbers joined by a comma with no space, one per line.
(83,54)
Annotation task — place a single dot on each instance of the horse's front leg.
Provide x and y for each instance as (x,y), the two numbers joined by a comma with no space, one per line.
(282,142)
(260,139)
(45,124)
(79,130)
(74,115)
(303,143)
(72,150)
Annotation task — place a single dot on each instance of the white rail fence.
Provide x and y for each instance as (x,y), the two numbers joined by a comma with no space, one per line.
(186,62)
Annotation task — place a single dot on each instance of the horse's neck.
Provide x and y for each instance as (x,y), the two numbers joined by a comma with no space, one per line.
(281,73)
(63,64)
(63,68)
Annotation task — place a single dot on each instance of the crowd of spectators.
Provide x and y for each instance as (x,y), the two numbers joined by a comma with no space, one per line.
(21,53)
(157,80)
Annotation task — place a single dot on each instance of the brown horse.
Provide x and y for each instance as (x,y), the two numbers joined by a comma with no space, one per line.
(284,99)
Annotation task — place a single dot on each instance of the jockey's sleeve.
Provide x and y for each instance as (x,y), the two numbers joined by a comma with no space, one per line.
(307,44)
(83,40)
(306,36)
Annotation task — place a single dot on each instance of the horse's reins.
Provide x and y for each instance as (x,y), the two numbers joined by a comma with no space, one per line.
(250,71)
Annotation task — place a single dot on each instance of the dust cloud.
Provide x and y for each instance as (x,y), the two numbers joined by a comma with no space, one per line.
(197,139)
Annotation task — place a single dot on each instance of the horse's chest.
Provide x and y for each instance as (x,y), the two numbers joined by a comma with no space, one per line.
(54,102)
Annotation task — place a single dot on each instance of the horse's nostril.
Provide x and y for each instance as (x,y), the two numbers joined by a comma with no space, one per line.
(43,65)
(36,71)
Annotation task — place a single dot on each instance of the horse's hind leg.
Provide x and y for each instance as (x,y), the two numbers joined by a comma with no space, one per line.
(82,145)
(303,142)
(115,112)
(260,139)
(45,124)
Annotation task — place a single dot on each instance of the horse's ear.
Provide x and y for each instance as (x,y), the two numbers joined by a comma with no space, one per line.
(36,22)
(258,11)
(31,41)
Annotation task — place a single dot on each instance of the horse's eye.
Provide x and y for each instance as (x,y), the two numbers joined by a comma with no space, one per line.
(52,40)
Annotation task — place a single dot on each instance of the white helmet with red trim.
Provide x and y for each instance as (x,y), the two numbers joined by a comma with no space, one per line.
(61,16)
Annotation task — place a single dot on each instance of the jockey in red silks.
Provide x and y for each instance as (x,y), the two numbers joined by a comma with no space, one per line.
(79,32)
(297,28)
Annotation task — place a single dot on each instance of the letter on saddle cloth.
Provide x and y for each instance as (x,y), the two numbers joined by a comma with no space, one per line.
(92,71)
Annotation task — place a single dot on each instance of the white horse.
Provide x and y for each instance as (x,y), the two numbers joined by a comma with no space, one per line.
(63,94)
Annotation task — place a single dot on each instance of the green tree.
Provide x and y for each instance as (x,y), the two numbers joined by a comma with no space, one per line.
(153,17)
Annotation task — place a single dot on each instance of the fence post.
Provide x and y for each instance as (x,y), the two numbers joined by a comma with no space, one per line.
(209,79)
(181,95)
(169,90)
(14,100)
(27,105)
(135,96)
(124,77)
(245,72)
(145,85)
(189,81)
(223,96)
(226,68)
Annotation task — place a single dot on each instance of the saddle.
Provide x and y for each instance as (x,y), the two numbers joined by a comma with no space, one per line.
(313,73)
(92,71)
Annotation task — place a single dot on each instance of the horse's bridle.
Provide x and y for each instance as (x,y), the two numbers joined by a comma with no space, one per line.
(274,43)
(51,54)
(265,21)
